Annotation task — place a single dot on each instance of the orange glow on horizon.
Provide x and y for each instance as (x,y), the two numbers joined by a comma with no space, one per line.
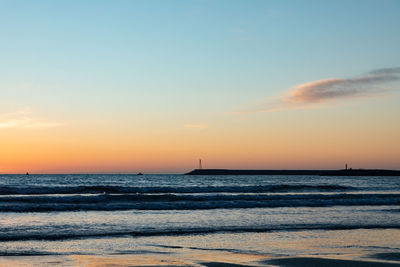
(85,150)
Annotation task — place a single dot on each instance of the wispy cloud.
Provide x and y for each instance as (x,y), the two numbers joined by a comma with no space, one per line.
(24,119)
(322,91)
(196,126)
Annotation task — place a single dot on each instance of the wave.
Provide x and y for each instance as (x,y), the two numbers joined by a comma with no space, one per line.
(187,202)
(28,253)
(190,231)
(100,189)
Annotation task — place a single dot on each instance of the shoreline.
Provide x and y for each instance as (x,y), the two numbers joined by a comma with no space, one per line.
(224,250)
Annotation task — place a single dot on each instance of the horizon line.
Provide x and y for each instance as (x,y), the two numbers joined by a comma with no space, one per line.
(167,173)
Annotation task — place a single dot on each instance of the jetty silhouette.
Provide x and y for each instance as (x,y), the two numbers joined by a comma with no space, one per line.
(343,172)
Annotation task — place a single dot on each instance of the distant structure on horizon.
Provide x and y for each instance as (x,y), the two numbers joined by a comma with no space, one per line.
(348,172)
(200,166)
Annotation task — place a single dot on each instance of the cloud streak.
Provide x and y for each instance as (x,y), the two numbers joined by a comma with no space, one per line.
(23,119)
(322,91)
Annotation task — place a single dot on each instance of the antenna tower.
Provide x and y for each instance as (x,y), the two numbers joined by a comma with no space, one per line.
(200,167)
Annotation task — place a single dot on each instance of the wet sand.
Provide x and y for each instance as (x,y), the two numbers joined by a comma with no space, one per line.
(208,260)
(321,248)
(314,262)
(387,256)
(185,259)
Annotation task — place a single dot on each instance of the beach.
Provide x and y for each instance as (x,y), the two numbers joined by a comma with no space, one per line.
(214,252)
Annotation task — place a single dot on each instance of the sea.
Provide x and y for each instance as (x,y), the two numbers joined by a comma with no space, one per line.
(184,220)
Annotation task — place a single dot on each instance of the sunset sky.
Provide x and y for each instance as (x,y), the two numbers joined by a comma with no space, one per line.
(152,86)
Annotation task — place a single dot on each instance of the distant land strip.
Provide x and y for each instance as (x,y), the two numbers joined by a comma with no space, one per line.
(344,172)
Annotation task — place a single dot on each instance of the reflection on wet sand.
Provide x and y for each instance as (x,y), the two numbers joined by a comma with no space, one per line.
(209,259)
(315,262)
(359,247)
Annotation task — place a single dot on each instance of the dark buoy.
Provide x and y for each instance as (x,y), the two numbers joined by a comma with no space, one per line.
(140,173)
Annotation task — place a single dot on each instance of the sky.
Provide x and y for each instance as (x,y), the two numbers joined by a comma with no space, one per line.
(154,86)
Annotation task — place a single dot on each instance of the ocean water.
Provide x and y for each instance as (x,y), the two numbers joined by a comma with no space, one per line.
(177,216)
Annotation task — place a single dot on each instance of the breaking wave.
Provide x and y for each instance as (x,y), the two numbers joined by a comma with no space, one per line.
(190,231)
(107,202)
(99,189)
